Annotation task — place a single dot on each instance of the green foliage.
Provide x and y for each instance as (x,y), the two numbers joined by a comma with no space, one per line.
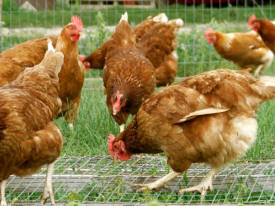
(9,5)
(96,37)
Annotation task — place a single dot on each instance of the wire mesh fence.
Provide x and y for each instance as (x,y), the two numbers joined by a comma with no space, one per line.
(97,179)
(195,54)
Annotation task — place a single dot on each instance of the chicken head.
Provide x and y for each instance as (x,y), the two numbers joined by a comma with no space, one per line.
(117,149)
(253,23)
(85,63)
(210,35)
(118,101)
(73,29)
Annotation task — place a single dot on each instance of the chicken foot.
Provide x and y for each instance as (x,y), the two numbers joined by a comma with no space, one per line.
(158,183)
(203,186)
(48,188)
(3,188)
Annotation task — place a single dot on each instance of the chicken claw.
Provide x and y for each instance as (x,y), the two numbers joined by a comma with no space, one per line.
(158,183)
(203,186)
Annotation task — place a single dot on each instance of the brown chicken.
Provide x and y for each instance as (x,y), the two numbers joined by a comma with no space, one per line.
(27,54)
(29,138)
(96,58)
(210,118)
(128,76)
(247,50)
(265,29)
(143,27)
(157,39)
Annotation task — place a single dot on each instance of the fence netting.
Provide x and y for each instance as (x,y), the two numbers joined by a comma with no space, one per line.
(97,179)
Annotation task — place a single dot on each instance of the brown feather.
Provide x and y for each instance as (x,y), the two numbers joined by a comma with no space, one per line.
(267,32)
(29,139)
(126,70)
(215,139)
(247,50)
(71,78)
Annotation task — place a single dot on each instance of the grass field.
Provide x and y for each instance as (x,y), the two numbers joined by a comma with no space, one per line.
(94,122)
(195,56)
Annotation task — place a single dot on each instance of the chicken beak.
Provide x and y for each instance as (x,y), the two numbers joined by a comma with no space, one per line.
(114,112)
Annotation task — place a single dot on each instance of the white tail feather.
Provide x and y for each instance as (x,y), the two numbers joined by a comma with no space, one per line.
(202,112)
(161,18)
(50,45)
(178,22)
(269,81)
(124,17)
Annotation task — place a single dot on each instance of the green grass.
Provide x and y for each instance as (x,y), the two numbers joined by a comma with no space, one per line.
(190,14)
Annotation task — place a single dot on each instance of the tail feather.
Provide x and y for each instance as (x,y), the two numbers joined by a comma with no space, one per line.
(124,17)
(178,22)
(161,18)
(50,45)
(268,91)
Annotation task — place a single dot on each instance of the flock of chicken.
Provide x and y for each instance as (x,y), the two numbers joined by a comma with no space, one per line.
(206,118)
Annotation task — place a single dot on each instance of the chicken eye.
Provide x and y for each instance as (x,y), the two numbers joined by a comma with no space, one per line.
(116,147)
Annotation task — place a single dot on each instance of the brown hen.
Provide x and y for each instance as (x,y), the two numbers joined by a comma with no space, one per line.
(27,54)
(247,50)
(29,138)
(128,75)
(210,118)
(265,28)
(157,39)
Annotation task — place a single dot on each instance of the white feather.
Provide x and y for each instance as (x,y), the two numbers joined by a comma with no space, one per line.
(124,17)
(202,112)
(161,18)
(50,45)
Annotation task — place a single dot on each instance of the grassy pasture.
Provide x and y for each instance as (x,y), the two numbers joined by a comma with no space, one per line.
(195,55)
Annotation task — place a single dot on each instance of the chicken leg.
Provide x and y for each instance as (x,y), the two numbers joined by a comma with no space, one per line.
(121,128)
(158,183)
(48,188)
(72,112)
(204,185)
(3,188)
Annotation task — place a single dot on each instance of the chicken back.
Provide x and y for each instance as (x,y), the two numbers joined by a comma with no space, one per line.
(28,136)
(210,118)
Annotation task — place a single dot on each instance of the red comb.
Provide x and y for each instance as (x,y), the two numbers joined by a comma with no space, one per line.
(81,58)
(78,22)
(251,19)
(207,32)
